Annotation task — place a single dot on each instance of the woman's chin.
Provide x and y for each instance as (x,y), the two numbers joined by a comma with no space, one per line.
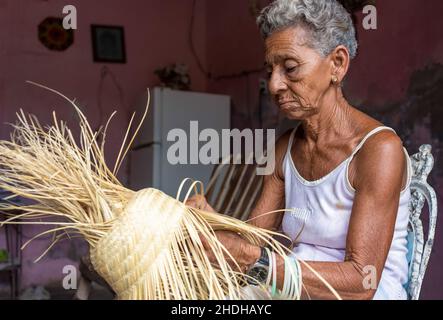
(294,114)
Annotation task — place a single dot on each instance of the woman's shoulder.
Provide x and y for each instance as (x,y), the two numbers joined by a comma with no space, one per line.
(383,142)
(380,148)
(376,135)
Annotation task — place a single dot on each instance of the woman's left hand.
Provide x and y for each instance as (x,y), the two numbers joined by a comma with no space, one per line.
(242,251)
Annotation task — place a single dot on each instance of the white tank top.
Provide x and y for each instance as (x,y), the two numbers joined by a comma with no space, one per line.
(320,221)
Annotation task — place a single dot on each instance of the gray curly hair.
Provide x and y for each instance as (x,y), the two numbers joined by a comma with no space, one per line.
(327,21)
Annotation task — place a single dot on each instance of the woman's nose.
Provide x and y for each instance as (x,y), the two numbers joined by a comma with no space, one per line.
(276,83)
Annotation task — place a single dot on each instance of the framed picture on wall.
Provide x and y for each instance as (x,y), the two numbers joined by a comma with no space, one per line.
(108,43)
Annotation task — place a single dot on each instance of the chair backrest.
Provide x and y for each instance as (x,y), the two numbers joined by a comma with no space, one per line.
(233,189)
(419,250)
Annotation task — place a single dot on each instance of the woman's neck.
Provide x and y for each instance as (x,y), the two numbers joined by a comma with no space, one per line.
(331,122)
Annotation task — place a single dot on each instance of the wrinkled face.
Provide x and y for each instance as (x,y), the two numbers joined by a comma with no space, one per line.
(298,76)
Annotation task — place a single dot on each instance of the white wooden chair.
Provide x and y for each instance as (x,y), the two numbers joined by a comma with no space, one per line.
(419,250)
(233,189)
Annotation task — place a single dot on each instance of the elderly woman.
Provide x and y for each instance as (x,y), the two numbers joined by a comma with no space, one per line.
(344,175)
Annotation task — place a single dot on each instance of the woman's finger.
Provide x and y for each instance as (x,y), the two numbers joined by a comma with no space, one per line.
(204,241)
(196,201)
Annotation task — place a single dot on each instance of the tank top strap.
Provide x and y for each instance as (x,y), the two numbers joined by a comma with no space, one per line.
(370,134)
(291,139)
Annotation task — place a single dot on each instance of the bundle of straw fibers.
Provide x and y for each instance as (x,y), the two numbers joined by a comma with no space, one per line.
(145,244)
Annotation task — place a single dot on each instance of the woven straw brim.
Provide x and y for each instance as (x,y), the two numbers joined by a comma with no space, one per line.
(136,241)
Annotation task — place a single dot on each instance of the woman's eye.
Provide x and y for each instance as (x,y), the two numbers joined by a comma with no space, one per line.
(291,69)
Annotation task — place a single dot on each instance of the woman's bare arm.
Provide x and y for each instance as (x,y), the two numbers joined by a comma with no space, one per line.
(272,196)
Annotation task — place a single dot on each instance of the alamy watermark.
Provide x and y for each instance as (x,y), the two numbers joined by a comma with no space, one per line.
(218,146)
(370,278)
(70,280)
(370,17)
(70,18)
(369,21)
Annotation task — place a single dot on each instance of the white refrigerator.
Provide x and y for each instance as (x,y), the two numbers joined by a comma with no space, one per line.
(173,109)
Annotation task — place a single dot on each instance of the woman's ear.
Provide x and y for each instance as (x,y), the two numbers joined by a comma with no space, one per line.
(340,63)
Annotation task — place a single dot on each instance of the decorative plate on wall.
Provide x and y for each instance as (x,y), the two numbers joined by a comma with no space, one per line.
(53,36)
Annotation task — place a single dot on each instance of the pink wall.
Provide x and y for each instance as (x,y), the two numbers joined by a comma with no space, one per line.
(407,39)
(235,46)
(156,34)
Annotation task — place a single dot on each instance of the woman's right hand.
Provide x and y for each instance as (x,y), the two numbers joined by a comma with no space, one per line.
(199,202)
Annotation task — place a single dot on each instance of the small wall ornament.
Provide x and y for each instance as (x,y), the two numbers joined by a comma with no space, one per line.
(53,36)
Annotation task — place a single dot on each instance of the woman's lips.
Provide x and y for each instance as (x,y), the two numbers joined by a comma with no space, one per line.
(285,105)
